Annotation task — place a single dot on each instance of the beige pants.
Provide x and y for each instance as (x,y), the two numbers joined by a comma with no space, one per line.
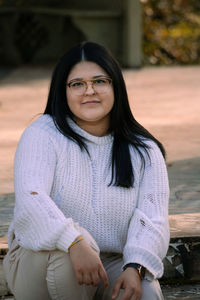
(48,275)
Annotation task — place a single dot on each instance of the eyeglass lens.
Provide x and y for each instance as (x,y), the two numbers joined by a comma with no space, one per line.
(99,85)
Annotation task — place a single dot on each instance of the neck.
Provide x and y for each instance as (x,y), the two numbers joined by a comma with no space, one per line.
(97,128)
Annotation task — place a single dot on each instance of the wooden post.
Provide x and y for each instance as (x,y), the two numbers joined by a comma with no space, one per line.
(132,33)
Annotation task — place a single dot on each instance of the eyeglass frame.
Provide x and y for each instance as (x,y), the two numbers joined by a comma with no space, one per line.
(91,81)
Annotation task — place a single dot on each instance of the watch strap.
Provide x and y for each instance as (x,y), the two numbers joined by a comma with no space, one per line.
(138,267)
(132,265)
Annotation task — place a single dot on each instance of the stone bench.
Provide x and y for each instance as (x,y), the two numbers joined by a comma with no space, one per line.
(182,262)
(49,24)
(93,13)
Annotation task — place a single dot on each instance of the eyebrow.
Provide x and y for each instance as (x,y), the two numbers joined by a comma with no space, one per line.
(96,76)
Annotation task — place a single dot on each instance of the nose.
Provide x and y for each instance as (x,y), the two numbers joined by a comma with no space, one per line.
(89,89)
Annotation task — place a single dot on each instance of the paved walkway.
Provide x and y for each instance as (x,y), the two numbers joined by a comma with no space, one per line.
(186,292)
(165,100)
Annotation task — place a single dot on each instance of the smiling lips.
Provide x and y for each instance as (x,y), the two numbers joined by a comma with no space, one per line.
(91,102)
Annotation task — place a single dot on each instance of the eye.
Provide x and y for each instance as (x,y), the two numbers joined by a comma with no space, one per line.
(76,84)
(100,81)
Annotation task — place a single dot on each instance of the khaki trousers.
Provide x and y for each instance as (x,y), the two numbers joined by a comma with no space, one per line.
(49,275)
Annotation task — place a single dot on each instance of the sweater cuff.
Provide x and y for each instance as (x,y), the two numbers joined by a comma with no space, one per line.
(145,258)
(67,237)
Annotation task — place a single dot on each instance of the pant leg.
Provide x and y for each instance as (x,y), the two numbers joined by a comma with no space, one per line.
(26,273)
(113,265)
(151,290)
(43,275)
(61,280)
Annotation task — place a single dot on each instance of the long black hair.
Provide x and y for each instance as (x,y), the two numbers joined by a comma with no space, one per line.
(126,130)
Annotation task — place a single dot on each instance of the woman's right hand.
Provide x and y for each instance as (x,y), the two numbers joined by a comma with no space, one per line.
(87,265)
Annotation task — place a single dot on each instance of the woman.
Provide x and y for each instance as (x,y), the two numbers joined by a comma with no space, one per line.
(91,213)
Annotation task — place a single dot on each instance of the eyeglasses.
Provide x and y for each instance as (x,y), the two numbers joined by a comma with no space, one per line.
(99,85)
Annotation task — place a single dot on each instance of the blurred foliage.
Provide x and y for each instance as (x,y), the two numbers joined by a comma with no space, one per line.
(171,32)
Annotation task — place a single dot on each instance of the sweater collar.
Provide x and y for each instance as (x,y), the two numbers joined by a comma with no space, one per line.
(99,140)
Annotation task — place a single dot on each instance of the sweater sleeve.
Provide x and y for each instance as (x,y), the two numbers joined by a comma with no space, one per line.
(148,234)
(38,223)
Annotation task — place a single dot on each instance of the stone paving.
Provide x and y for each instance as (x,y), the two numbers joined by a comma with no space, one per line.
(190,292)
(165,100)
(184,292)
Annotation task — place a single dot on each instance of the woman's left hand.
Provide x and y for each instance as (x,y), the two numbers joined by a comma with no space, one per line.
(130,281)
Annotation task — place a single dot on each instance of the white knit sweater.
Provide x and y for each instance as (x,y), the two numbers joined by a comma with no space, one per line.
(61,190)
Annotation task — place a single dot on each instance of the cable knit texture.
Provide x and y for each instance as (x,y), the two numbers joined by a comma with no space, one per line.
(62,192)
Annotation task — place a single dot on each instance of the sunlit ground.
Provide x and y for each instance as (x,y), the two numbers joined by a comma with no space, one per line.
(165,100)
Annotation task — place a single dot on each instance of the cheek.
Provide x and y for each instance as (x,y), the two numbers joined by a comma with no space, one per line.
(110,101)
(71,102)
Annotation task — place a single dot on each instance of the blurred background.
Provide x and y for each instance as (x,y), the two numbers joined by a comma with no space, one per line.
(171,32)
(158,46)
(146,32)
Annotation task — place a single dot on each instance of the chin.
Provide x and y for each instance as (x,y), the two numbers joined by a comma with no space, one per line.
(91,118)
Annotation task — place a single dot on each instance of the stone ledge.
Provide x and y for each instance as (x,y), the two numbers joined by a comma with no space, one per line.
(185,226)
(182,262)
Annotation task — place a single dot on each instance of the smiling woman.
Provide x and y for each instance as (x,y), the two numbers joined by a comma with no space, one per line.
(90,103)
(91,187)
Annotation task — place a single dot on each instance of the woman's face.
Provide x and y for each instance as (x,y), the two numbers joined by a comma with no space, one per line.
(90,95)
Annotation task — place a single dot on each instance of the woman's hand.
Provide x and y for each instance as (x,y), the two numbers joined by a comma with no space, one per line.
(130,281)
(87,265)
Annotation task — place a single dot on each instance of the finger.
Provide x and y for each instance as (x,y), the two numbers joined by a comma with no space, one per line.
(87,279)
(116,289)
(104,277)
(95,278)
(128,295)
(79,277)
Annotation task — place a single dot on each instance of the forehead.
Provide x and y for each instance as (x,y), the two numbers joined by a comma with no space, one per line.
(86,70)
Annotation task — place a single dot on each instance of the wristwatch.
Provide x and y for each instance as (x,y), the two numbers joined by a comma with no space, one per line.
(141,270)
